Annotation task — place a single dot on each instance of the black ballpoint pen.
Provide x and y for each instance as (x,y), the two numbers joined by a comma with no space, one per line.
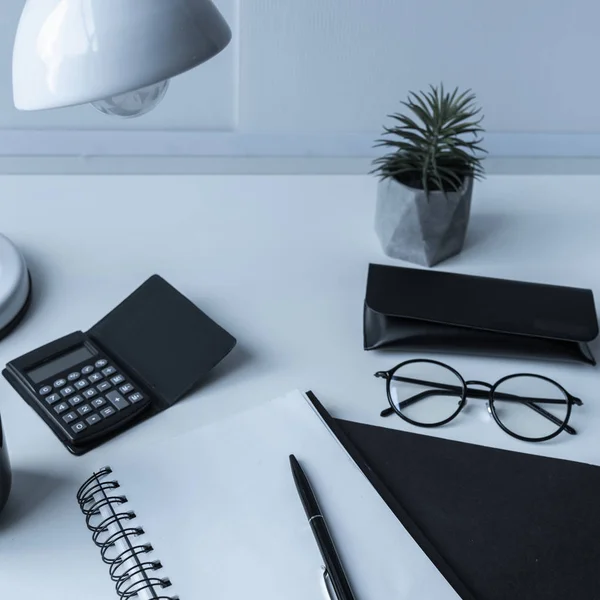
(335,577)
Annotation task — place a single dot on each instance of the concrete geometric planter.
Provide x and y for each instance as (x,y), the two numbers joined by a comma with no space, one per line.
(418,229)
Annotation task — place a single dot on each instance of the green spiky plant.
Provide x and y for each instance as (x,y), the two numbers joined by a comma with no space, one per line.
(438,146)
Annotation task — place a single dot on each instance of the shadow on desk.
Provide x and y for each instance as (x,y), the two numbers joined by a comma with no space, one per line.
(30,490)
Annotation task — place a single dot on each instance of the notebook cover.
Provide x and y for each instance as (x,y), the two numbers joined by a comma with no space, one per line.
(518,307)
(497,524)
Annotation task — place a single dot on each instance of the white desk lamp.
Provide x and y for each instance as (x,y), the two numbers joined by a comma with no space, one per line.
(117,55)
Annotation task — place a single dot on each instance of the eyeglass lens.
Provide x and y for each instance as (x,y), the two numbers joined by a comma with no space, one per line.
(521,416)
(426,392)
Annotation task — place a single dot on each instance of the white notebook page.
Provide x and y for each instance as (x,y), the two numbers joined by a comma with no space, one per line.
(221,510)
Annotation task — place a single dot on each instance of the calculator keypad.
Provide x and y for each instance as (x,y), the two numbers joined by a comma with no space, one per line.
(78,427)
(75,400)
(80,401)
(61,408)
(117,400)
(84,410)
(98,402)
(93,419)
(53,398)
(70,417)
(108,411)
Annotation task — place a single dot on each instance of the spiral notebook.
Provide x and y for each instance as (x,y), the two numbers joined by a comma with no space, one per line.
(214,514)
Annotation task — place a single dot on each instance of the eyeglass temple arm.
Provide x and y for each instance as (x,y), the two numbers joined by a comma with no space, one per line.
(453,390)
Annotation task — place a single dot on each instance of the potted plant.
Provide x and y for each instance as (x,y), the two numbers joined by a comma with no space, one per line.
(426,182)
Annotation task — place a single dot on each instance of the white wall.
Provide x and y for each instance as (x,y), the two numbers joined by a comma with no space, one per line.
(317,77)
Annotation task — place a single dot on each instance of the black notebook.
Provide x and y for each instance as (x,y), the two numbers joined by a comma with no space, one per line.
(498,524)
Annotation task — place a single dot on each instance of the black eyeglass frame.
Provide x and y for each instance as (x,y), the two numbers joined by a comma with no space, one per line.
(490,394)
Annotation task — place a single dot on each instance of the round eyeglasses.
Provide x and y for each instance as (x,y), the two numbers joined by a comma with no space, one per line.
(428,393)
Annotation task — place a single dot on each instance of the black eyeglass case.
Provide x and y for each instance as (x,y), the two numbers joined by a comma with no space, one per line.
(419,309)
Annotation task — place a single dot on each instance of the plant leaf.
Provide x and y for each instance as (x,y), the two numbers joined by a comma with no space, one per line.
(436,142)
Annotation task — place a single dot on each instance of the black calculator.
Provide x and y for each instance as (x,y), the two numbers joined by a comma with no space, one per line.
(137,361)
(78,390)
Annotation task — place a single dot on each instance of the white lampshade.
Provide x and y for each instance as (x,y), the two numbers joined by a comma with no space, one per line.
(70,52)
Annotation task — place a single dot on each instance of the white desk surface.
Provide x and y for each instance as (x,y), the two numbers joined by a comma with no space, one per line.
(280,262)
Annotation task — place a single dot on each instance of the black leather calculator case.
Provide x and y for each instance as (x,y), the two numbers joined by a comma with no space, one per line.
(157,338)
(163,340)
(420,309)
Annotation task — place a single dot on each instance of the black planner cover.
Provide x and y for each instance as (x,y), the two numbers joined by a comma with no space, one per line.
(498,525)
(420,309)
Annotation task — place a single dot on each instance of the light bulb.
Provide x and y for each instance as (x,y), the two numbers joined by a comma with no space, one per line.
(133,104)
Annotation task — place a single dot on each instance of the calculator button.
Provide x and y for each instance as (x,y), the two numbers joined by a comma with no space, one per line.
(75,400)
(52,398)
(59,383)
(67,391)
(85,409)
(117,379)
(108,371)
(45,390)
(70,417)
(117,400)
(93,419)
(125,389)
(87,370)
(108,411)
(102,387)
(95,377)
(98,402)
(81,384)
(137,397)
(101,363)
(78,427)
(90,393)
(61,408)
(74,376)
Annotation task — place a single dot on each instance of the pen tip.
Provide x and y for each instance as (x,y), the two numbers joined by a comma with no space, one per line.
(293,460)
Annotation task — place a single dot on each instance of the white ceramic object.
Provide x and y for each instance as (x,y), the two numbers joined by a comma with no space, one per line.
(14,282)
(70,52)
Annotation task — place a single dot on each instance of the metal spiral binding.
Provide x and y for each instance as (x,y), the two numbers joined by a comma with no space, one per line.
(130,579)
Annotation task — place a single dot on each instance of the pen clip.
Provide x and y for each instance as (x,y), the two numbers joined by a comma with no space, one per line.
(329,585)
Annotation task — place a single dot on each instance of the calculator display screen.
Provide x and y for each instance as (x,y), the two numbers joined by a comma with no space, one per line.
(56,365)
